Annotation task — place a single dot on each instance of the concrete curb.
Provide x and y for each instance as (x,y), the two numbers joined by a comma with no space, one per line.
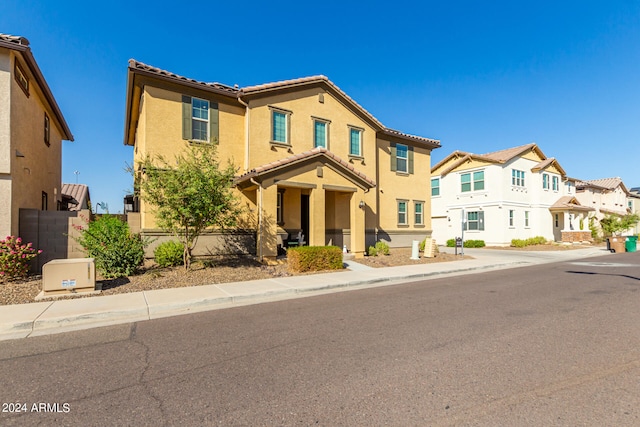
(41,318)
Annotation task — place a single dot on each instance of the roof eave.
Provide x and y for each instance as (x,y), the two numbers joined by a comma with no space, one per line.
(42,83)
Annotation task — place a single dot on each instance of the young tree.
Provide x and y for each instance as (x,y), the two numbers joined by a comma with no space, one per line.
(613,224)
(189,194)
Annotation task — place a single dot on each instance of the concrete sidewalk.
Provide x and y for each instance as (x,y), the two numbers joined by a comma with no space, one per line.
(42,318)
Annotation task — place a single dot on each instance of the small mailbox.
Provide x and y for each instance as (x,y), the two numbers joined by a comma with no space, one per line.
(68,276)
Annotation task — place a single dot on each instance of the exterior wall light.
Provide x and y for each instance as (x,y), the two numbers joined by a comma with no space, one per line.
(361,204)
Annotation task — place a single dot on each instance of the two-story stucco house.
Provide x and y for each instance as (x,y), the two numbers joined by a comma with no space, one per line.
(312,163)
(515,193)
(607,196)
(31,132)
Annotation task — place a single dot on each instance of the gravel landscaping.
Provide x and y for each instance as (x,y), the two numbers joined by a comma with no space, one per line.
(216,271)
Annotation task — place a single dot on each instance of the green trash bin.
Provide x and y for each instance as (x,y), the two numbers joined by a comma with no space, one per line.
(631,244)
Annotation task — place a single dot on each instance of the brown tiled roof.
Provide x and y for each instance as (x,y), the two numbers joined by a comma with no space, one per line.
(434,143)
(547,162)
(14,39)
(603,184)
(21,44)
(139,67)
(297,158)
(504,156)
(78,192)
(569,203)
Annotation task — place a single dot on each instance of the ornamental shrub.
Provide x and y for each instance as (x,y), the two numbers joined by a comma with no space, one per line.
(451,243)
(116,251)
(169,254)
(314,258)
(382,248)
(372,251)
(15,257)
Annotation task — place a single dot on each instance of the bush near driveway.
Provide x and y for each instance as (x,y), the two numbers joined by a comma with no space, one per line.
(314,258)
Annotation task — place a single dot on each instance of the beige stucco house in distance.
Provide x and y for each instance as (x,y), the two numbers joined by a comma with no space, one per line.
(31,132)
(311,161)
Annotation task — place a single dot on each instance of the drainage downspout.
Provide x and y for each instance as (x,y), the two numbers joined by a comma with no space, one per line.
(259,236)
(246,133)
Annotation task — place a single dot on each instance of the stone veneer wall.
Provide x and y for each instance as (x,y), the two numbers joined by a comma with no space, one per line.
(576,236)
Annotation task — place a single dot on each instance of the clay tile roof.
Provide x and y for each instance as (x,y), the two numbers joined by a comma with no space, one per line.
(78,192)
(14,39)
(569,203)
(284,83)
(136,65)
(509,153)
(392,132)
(296,158)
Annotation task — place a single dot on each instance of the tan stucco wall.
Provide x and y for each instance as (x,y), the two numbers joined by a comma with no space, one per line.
(5,142)
(40,167)
(159,131)
(395,186)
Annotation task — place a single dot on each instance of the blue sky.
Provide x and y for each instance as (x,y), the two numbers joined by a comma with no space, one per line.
(478,76)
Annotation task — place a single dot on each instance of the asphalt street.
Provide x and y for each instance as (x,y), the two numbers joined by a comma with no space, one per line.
(554,344)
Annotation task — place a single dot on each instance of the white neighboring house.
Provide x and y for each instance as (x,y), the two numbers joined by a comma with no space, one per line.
(634,206)
(515,193)
(607,196)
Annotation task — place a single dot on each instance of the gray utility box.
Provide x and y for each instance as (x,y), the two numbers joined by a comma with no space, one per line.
(68,276)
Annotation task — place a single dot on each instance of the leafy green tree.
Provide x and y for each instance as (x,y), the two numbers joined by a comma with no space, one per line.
(190,194)
(614,224)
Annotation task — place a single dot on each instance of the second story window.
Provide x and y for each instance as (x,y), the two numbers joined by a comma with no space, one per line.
(279,127)
(435,187)
(472,181)
(320,134)
(355,142)
(402,158)
(517,178)
(545,181)
(47,129)
(556,183)
(199,119)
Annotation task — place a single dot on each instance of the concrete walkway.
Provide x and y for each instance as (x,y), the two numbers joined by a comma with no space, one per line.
(42,318)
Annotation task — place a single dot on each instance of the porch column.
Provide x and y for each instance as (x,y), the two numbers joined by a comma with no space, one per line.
(357,225)
(317,218)
(267,224)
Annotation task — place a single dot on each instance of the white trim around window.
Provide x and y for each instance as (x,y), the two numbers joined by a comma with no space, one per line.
(418,212)
(320,132)
(355,142)
(280,126)
(402,211)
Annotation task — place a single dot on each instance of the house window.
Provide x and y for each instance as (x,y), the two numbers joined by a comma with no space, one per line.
(517,178)
(45,201)
(47,131)
(355,142)
(320,134)
(545,181)
(402,158)
(402,212)
(466,183)
(279,213)
(419,209)
(21,78)
(557,220)
(280,127)
(556,183)
(511,218)
(475,221)
(435,187)
(199,119)
(526,218)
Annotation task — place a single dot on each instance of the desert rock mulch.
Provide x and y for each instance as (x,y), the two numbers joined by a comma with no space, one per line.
(213,271)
